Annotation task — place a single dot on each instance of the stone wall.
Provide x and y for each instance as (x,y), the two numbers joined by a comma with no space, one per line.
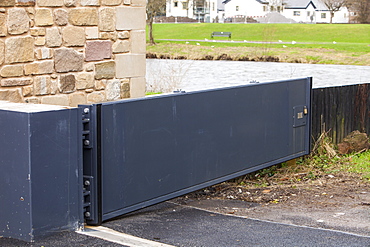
(70,52)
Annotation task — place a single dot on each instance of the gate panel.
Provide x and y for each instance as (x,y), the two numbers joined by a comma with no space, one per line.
(157,148)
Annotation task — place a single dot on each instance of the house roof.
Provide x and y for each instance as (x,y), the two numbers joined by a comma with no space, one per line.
(304,4)
(260,1)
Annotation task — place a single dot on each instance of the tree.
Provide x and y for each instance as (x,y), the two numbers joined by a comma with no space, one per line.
(361,8)
(153,7)
(334,6)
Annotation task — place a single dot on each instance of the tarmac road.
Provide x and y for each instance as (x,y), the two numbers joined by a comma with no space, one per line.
(178,225)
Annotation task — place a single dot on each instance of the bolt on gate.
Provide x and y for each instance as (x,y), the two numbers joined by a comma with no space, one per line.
(99,161)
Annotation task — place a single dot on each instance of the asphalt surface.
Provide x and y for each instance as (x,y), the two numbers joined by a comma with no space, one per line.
(177,225)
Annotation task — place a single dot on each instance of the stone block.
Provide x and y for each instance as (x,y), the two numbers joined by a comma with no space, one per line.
(67,59)
(14,82)
(96,97)
(126,2)
(11,71)
(90,2)
(100,84)
(39,68)
(125,88)
(92,32)
(138,3)
(107,19)
(44,53)
(113,90)
(67,83)
(121,46)
(138,41)
(89,67)
(33,100)
(111,2)
(59,99)
(61,17)
(70,3)
(27,91)
(129,18)
(105,70)
(84,80)
(44,17)
(41,85)
(124,35)
(41,31)
(73,36)
(137,87)
(7,3)
(98,50)
(18,21)
(25,3)
(12,95)
(76,99)
(130,65)
(50,3)
(83,17)
(40,41)
(2,51)
(19,49)
(3,25)
(53,37)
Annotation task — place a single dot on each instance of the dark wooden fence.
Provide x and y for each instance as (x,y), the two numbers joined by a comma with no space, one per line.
(340,110)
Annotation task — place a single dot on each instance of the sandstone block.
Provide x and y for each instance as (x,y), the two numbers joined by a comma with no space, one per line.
(130,65)
(19,49)
(141,3)
(18,21)
(105,70)
(121,46)
(76,99)
(3,26)
(111,2)
(7,3)
(96,97)
(113,89)
(25,2)
(2,51)
(126,2)
(89,67)
(39,68)
(92,32)
(67,83)
(40,41)
(129,18)
(43,17)
(84,80)
(27,91)
(125,89)
(107,19)
(53,37)
(70,3)
(83,17)
(13,82)
(41,85)
(50,3)
(44,53)
(60,17)
(54,86)
(59,99)
(138,41)
(124,35)
(137,87)
(41,31)
(100,84)
(73,36)
(13,95)
(90,2)
(11,71)
(67,59)
(98,50)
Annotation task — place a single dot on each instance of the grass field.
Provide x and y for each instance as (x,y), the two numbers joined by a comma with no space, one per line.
(315,43)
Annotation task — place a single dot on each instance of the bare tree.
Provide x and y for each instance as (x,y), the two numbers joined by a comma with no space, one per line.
(334,6)
(361,8)
(153,7)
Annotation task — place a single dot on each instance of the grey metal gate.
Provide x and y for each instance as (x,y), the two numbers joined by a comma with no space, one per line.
(139,152)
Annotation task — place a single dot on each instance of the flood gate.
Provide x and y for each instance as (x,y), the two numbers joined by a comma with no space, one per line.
(139,152)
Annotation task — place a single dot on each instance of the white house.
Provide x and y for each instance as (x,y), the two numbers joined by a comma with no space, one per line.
(201,10)
(247,8)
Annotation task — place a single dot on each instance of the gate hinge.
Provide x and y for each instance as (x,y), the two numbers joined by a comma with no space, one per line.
(88,197)
(86,114)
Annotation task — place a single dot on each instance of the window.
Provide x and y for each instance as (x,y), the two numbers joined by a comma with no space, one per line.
(264,8)
(323,15)
(272,8)
(237,8)
(175,4)
(308,13)
(278,9)
(184,5)
(297,13)
(213,6)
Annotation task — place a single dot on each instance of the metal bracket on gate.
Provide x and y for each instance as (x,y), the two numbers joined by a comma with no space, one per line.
(88,195)
(86,128)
